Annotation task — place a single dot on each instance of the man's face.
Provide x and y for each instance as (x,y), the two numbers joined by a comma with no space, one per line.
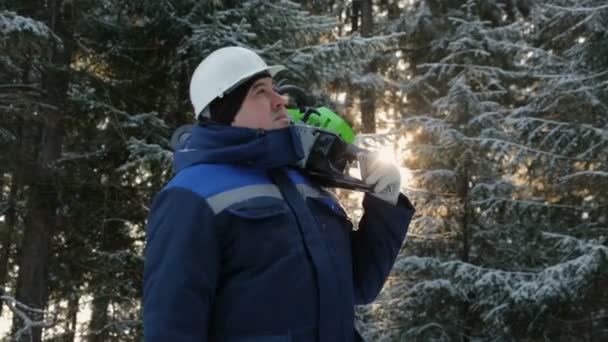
(262,108)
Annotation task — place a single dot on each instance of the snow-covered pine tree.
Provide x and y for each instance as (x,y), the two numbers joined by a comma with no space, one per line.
(23,42)
(31,93)
(111,98)
(506,246)
(116,157)
(558,157)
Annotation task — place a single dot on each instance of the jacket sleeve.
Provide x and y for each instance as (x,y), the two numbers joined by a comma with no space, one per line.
(376,244)
(181,267)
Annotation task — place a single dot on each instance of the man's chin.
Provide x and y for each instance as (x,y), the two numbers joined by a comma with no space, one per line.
(281,123)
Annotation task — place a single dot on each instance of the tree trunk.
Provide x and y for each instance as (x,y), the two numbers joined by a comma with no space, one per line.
(367,18)
(99,319)
(354,15)
(368,94)
(308,5)
(466,234)
(7,239)
(70,324)
(466,246)
(39,227)
(4,229)
(40,220)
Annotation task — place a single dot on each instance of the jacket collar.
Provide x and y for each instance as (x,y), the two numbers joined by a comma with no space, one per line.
(219,144)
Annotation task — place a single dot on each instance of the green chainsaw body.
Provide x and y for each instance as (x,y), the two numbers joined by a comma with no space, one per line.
(325,118)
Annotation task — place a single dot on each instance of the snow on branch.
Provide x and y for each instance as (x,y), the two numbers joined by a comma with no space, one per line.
(498,292)
(564,281)
(377,42)
(11,23)
(120,256)
(586,174)
(578,9)
(343,58)
(443,68)
(31,317)
(413,264)
(572,244)
(524,203)
(582,140)
(141,152)
(130,120)
(120,327)
(506,146)
(416,331)
(6,136)
(428,228)
(429,124)
(143,119)
(522,122)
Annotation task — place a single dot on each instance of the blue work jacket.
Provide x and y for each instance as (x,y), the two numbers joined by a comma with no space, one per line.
(242,247)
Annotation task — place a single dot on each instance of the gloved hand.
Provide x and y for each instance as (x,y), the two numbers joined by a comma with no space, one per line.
(383,175)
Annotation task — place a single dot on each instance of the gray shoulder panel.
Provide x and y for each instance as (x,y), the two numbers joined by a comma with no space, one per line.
(225,199)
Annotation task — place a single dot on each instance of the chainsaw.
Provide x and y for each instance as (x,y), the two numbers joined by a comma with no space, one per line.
(327,140)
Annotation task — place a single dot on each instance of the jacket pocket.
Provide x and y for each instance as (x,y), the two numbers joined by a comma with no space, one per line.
(258,232)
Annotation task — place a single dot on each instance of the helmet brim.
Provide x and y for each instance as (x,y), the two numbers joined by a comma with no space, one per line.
(272,70)
(275,69)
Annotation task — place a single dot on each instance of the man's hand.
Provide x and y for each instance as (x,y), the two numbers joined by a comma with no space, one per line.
(384,176)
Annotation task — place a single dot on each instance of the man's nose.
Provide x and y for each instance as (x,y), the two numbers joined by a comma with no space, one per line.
(279,100)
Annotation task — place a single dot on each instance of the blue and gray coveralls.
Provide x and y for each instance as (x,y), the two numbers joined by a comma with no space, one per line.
(241,247)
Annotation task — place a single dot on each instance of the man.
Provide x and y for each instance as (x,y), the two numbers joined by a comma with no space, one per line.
(241,246)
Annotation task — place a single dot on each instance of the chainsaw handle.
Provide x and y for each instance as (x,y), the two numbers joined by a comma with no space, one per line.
(345,182)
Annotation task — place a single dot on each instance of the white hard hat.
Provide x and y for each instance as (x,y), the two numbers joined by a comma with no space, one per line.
(222,71)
